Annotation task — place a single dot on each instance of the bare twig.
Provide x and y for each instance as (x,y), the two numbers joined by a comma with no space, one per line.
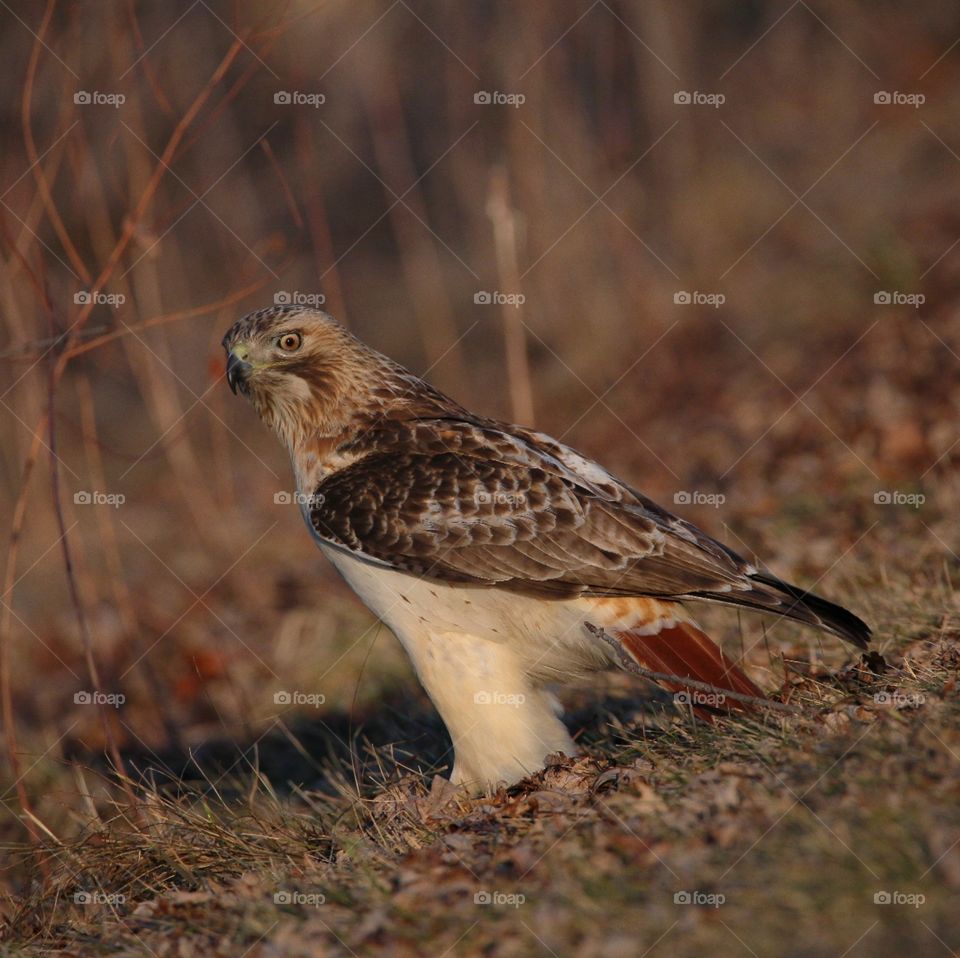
(6,636)
(175,317)
(39,176)
(133,221)
(85,636)
(630,665)
(318,222)
(410,221)
(504,219)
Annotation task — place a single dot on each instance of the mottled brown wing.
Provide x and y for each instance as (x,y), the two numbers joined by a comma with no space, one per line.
(479,502)
(488,521)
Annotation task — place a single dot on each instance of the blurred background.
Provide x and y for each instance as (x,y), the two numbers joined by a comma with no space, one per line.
(714,245)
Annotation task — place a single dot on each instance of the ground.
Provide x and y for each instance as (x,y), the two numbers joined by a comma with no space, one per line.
(797,835)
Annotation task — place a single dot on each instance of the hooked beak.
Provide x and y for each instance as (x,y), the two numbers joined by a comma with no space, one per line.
(238,371)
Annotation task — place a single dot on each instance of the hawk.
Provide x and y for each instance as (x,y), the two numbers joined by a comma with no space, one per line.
(504,561)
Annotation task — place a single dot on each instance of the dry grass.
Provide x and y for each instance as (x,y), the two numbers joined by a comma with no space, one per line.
(806,819)
(199,598)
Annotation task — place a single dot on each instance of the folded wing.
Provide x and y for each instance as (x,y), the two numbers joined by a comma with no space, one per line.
(503,510)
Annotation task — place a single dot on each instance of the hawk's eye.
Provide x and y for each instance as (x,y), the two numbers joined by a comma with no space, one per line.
(290,342)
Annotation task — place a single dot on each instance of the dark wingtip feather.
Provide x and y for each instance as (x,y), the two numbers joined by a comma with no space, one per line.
(808,607)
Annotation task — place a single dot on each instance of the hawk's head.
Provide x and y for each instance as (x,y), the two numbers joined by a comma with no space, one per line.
(298,367)
(308,377)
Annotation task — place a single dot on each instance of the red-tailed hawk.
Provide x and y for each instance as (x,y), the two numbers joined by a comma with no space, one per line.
(493,552)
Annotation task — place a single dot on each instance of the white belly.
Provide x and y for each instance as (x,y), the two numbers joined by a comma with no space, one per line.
(486,657)
(547,636)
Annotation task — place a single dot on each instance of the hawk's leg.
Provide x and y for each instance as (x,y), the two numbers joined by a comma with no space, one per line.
(502,724)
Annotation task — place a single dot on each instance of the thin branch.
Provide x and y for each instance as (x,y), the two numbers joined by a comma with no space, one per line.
(164,318)
(133,221)
(629,665)
(85,636)
(503,216)
(6,634)
(39,176)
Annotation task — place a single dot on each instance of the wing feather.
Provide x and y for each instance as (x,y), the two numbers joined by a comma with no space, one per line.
(494,508)
(472,501)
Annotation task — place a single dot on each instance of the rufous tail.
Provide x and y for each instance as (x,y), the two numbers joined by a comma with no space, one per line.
(685,651)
